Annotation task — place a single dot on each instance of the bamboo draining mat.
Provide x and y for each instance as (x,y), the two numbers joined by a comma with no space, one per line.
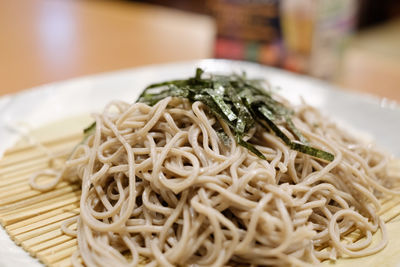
(36,226)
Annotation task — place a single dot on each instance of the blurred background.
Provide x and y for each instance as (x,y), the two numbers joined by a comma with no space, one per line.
(352,43)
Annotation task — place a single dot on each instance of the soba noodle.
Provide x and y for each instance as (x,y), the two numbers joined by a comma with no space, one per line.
(159,187)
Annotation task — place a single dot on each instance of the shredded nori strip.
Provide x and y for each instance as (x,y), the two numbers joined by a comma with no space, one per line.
(89,130)
(315,152)
(240,102)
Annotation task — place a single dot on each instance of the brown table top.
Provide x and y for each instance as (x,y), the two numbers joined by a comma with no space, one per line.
(43,41)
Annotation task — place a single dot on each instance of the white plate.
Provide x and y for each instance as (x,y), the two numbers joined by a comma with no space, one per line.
(32,108)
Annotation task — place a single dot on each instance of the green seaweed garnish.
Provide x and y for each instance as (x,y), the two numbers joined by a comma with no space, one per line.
(240,102)
(89,130)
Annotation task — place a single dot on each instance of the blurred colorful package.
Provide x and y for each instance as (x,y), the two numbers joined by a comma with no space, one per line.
(248,30)
(305,36)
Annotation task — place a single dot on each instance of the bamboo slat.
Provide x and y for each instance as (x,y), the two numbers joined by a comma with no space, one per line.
(41,207)
(37,232)
(48,215)
(33,218)
(41,238)
(16,196)
(63,263)
(45,222)
(49,244)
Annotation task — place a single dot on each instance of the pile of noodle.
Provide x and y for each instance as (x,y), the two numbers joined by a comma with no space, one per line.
(159,187)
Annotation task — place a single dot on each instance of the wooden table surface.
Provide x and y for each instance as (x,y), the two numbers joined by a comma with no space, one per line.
(371,62)
(43,41)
